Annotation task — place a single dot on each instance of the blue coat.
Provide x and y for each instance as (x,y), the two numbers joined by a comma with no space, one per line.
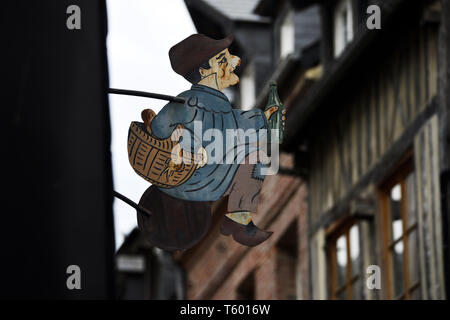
(213,109)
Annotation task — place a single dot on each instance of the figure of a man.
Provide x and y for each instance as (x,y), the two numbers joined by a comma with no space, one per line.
(209,66)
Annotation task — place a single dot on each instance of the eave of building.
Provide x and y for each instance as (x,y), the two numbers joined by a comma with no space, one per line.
(280,75)
(307,112)
(266,7)
(237,10)
(213,23)
(208,20)
(287,72)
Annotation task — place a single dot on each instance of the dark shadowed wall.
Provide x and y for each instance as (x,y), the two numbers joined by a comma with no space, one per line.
(57,196)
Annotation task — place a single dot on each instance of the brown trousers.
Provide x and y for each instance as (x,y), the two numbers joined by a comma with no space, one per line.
(244,190)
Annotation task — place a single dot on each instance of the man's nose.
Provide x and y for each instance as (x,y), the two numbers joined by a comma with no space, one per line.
(236,61)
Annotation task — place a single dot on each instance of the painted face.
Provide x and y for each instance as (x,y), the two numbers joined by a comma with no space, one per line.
(222,68)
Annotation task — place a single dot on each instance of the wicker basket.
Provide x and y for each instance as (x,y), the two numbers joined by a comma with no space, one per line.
(151,158)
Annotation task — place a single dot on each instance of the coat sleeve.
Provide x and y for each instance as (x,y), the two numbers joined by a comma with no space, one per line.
(167,119)
(254,119)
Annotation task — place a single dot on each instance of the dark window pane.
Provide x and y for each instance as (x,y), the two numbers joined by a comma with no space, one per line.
(396,267)
(411,215)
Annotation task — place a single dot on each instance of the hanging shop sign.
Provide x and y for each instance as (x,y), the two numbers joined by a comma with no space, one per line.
(198,149)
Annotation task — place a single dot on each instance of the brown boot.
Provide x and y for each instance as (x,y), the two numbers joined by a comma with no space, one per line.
(247,235)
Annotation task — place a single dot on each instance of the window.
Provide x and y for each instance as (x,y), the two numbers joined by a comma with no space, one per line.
(344,262)
(399,233)
(287,35)
(343,26)
(246,289)
(247,88)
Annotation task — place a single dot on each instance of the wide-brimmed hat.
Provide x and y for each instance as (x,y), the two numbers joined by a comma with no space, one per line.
(196,49)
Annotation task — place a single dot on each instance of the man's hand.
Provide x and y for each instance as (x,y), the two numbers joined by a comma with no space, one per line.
(179,155)
(269,112)
(177,133)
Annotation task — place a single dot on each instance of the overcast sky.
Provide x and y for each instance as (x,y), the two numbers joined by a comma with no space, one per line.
(140,34)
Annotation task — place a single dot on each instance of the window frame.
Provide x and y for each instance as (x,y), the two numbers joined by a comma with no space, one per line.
(335,231)
(401,172)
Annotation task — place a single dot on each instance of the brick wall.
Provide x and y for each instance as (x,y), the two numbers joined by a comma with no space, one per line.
(218,265)
(286,275)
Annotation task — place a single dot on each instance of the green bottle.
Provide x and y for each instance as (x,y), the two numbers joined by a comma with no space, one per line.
(275,121)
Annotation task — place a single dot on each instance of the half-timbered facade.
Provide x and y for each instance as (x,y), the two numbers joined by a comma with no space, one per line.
(371,127)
